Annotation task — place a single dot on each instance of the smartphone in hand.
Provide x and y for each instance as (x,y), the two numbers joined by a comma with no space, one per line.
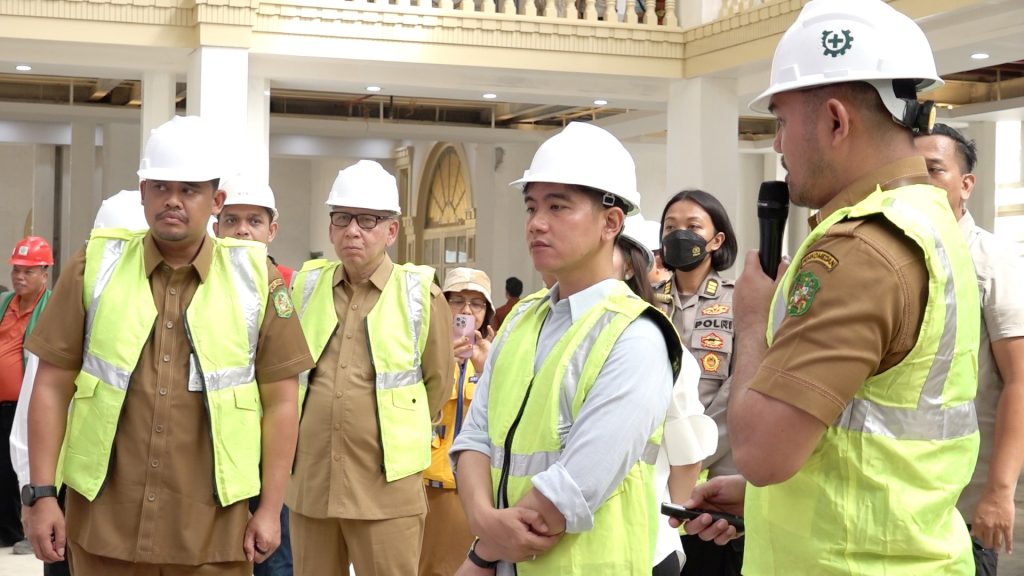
(677,511)
(464,325)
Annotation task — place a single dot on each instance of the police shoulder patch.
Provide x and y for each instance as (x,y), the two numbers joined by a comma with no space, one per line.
(801,295)
(822,257)
(711,362)
(715,310)
(283,303)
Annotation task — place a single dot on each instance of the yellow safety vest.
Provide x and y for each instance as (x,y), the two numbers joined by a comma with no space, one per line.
(439,474)
(119,320)
(530,415)
(397,328)
(878,494)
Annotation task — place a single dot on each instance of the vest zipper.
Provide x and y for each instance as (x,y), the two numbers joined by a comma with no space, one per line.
(506,462)
(206,404)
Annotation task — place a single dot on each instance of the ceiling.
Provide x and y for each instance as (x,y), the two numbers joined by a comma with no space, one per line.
(526,100)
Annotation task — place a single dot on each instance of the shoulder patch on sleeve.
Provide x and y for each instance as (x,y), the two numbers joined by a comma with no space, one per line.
(283,302)
(801,295)
(275,284)
(822,257)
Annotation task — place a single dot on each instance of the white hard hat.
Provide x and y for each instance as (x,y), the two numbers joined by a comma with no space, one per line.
(183,149)
(835,41)
(636,232)
(365,184)
(122,210)
(242,189)
(586,155)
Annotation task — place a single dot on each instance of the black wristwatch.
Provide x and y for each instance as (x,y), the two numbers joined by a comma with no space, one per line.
(31,493)
(475,559)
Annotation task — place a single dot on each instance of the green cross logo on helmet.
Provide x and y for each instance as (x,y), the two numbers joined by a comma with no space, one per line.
(834,44)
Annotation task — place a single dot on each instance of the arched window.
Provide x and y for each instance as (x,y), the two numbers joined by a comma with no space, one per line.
(446,205)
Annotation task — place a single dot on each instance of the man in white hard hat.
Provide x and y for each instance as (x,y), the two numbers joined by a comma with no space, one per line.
(555,461)
(122,210)
(854,419)
(182,353)
(250,213)
(991,502)
(380,333)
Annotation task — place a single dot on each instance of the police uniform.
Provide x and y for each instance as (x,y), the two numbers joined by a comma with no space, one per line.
(705,324)
(157,505)
(343,509)
(873,332)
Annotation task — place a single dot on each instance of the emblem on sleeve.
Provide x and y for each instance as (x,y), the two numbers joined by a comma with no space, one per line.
(712,341)
(715,310)
(283,303)
(275,284)
(801,296)
(711,362)
(820,257)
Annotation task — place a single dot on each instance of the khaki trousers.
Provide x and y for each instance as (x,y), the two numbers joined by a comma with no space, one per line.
(446,538)
(327,546)
(83,563)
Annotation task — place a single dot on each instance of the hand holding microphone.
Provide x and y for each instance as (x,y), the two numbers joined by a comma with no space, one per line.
(772,211)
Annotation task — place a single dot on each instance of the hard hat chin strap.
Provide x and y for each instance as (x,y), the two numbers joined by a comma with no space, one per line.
(900,99)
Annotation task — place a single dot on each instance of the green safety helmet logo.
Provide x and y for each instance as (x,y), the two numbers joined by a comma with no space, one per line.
(834,44)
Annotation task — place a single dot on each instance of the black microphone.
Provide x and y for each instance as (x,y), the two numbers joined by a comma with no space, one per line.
(772,210)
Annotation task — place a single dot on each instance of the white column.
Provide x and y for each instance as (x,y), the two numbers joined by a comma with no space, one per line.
(983,200)
(158,95)
(258,129)
(120,158)
(218,90)
(703,151)
(84,198)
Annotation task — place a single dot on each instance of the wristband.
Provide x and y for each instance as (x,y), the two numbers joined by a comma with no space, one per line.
(476,559)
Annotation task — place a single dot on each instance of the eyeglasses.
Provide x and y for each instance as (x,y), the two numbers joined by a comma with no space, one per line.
(476,305)
(364,221)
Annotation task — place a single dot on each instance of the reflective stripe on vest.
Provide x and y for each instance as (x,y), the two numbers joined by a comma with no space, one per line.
(120,314)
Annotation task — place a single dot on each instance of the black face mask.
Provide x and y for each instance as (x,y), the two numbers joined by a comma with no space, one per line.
(683,250)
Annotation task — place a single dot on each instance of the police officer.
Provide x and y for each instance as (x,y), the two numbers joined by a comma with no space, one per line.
(851,412)
(555,463)
(182,353)
(381,335)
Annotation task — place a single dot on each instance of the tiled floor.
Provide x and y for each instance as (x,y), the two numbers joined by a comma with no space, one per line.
(26,565)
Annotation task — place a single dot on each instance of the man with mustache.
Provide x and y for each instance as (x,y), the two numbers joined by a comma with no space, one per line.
(182,352)
(852,413)
(381,336)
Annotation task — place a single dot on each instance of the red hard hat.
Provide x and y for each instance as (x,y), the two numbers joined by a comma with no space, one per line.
(32,251)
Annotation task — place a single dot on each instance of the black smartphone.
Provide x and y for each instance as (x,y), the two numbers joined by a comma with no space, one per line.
(677,511)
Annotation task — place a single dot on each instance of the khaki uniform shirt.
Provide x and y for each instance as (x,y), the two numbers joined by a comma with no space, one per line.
(1001,286)
(338,466)
(157,503)
(704,321)
(867,312)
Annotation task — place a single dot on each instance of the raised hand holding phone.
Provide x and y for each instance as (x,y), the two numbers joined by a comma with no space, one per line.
(463,335)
